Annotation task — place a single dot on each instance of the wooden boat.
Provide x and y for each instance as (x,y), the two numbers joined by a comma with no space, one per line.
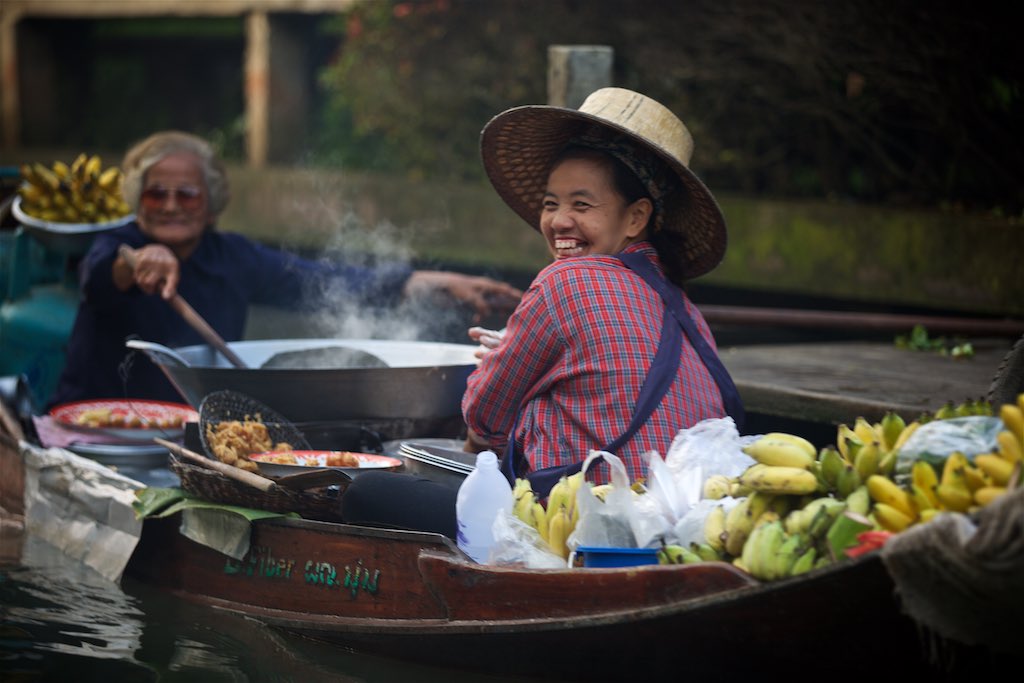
(416,596)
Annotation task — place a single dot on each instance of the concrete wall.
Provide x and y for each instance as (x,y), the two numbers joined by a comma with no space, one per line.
(879,256)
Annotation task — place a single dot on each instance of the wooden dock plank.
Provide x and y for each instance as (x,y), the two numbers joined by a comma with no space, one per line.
(836,382)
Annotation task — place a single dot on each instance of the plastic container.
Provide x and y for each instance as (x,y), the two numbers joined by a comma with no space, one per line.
(481,496)
(617,557)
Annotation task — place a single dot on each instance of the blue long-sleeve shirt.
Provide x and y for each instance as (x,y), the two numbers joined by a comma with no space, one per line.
(226,273)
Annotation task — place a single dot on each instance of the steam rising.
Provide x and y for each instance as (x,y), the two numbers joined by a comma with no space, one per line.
(354,240)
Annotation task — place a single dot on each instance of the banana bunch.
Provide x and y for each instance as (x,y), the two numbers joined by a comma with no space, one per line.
(771,553)
(961,486)
(555,522)
(83,192)
(784,465)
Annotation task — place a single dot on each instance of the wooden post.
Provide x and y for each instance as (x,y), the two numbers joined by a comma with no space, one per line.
(575,71)
(257,87)
(10,104)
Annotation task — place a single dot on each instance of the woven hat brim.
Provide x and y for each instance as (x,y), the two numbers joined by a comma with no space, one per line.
(519,145)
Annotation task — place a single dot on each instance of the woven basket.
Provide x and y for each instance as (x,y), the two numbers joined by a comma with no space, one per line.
(320,504)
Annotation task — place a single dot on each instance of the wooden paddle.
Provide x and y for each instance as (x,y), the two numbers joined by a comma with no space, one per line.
(190,315)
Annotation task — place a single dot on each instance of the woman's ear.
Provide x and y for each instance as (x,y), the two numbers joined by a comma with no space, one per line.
(638,214)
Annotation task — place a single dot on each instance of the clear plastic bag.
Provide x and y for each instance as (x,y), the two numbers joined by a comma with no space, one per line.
(712,446)
(518,544)
(935,440)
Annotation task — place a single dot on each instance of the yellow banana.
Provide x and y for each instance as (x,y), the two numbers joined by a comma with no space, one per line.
(953,467)
(848,442)
(45,176)
(987,494)
(601,491)
(78,165)
(1013,417)
(928,515)
(714,528)
(868,457)
(891,518)
(781,452)
(923,500)
(998,468)
(800,441)
(91,170)
(779,479)
(954,496)
(716,487)
(523,507)
(885,490)
(1009,447)
(110,179)
(739,521)
(538,518)
(61,170)
(865,431)
(558,498)
(977,477)
(907,432)
(558,532)
(923,475)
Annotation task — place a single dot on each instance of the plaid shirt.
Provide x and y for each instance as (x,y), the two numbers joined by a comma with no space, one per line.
(571,364)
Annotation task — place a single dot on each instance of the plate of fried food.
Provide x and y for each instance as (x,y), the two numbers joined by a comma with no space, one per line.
(126,419)
(283,463)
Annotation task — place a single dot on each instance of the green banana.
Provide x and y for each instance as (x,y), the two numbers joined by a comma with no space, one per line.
(804,563)
(859,501)
(677,554)
(892,426)
(831,462)
(848,481)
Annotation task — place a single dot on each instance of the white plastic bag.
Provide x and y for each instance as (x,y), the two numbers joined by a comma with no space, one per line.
(608,524)
(712,446)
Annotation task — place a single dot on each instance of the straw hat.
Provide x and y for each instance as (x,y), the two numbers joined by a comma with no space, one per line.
(519,145)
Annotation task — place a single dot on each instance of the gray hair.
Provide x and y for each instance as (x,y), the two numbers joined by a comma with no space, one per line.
(145,154)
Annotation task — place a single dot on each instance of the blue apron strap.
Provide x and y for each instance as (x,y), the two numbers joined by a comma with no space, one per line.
(730,395)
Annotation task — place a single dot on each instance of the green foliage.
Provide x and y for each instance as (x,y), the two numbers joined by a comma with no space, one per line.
(868,100)
(918,340)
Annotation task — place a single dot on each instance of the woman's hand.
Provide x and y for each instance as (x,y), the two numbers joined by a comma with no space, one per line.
(484,295)
(488,340)
(153,268)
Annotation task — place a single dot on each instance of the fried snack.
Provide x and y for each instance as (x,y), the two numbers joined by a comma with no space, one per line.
(97,417)
(283,459)
(233,441)
(342,459)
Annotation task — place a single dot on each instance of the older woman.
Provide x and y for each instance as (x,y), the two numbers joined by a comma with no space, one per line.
(605,351)
(178,187)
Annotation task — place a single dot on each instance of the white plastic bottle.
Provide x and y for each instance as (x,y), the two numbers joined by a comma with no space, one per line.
(484,492)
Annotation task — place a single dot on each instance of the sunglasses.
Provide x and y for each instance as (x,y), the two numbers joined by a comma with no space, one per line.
(187,197)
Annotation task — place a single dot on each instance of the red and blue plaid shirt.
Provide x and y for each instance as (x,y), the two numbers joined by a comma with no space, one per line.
(574,356)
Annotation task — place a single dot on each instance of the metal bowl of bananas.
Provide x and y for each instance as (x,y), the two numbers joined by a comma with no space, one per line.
(64,206)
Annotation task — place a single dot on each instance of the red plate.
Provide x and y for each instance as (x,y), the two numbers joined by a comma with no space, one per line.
(134,420)
(318,460)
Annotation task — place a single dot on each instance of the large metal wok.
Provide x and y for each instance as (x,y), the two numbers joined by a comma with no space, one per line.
(402,389)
